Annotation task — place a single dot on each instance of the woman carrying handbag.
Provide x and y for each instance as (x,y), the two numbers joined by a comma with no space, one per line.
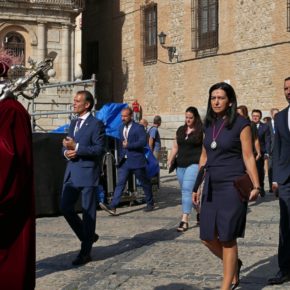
(185,154)
(228,154)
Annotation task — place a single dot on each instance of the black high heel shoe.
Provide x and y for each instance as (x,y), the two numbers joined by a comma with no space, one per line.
(240,264)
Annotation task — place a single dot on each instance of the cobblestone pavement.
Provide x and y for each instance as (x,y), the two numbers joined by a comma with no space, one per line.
(140,251)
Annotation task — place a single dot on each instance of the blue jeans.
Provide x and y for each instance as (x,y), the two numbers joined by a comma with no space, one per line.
(100,193)
(186,177)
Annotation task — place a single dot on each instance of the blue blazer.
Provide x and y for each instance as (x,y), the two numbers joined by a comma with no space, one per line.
(264,138)
(137,139)
(281,152)
(84,170)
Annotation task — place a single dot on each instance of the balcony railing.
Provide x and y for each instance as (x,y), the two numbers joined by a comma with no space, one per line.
(75,4)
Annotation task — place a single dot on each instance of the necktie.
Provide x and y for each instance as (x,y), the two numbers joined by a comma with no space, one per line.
(78,125)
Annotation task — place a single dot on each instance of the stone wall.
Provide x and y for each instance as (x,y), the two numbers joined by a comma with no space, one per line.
(252,55)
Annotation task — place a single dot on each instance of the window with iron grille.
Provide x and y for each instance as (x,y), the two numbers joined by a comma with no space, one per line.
(149,35)
(14,43)
(288,15)
(204,24)
(13,55)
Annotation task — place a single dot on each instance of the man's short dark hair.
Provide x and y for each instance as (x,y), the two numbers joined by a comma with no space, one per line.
(157,120)
(287,79)
(88,98)
(257,111)
(129,110)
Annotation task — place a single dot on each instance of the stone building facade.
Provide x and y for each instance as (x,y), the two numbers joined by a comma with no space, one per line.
(245,43)
(46,27)
(36,29)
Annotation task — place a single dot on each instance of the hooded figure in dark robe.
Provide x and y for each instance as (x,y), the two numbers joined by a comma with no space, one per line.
(17,219)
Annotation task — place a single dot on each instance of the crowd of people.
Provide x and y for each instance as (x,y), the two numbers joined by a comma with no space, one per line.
(221,149)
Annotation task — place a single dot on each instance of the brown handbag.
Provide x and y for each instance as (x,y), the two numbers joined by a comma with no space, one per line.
(173,165)
(244,186)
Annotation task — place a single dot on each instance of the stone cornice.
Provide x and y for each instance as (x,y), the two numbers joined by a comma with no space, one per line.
(14,15)
(73,7)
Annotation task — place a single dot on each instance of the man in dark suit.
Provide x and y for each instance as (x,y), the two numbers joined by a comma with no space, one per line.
(271,124)
(265,144)
(83,148)
(132,159)
(281,179)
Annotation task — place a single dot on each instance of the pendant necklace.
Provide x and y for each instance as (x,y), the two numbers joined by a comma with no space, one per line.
(213,144)
(188,132)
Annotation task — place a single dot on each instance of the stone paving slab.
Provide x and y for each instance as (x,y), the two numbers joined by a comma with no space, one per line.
(143,251)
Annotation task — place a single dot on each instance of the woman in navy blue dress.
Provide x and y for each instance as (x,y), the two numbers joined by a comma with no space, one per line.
(227,154)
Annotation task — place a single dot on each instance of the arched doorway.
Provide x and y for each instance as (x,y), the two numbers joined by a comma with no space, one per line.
(12,53)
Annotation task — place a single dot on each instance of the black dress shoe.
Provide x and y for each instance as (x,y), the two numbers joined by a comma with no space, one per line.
(107,208)
(148,208)
(81,260)
(280,278)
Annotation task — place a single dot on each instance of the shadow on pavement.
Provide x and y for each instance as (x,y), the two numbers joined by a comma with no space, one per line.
(138,241)
(166,197)
(269,197)
(62,262)
(258,274)
(176,286)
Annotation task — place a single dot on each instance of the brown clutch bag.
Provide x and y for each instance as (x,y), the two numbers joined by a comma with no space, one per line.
(244,186)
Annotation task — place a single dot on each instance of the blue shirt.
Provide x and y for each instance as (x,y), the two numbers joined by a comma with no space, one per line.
(154,134)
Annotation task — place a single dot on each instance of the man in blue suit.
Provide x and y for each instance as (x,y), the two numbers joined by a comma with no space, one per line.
(265,144)
(271,124)
(83,148)
(281,180)
(132,140)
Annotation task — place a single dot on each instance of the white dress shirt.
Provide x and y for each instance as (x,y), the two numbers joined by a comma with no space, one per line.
(289,118)
(126,130)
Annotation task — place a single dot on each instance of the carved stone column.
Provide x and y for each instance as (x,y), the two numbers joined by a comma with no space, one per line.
(41,47)
(66,52)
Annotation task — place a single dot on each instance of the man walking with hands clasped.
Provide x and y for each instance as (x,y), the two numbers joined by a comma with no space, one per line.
(83,148)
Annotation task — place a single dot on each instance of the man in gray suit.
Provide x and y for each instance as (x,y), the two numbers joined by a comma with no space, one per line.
(83,148)
(281,179)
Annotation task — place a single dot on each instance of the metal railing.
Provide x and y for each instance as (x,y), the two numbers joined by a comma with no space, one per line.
(68,112)
(75,4)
